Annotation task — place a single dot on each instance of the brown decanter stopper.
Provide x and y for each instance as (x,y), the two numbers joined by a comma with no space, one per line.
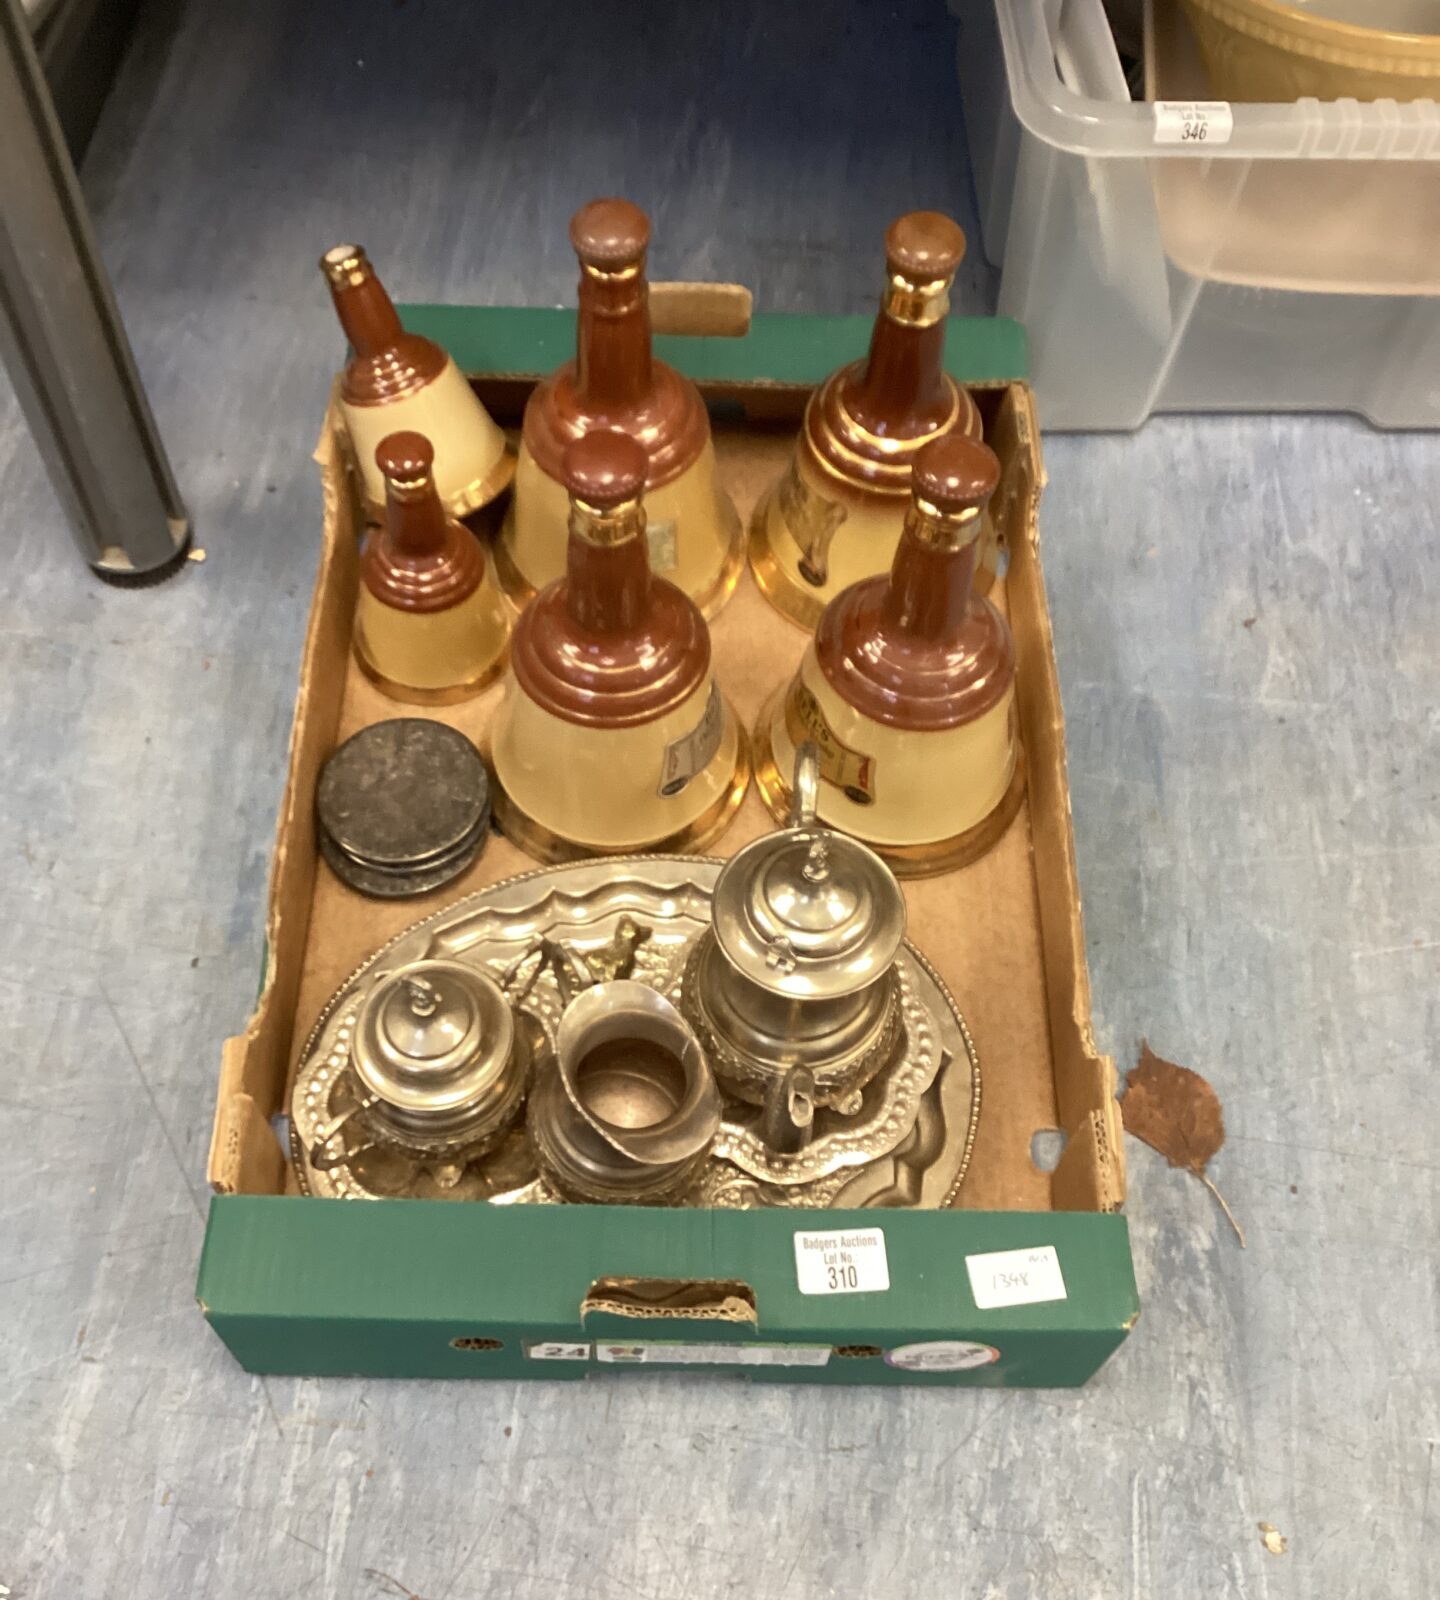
(907,690)
(429,626)
(420,560)
(385,361)
(902,391)
(835,515)
(612,735)
(613,370)
(609,644)
(616,384)
(395,381)
(614,381)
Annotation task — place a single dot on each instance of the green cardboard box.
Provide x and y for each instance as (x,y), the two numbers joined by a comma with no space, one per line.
(1026,1281)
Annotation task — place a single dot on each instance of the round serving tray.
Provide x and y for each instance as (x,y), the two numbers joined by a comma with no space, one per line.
(909,1144)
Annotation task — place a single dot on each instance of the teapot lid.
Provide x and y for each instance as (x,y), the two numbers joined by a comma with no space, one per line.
(807,912)
(432,1036)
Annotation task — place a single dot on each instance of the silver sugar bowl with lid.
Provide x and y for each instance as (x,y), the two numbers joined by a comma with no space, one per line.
(440,1066)
(797,969)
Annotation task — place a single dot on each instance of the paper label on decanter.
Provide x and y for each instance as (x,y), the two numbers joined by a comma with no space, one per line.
(693,751)
(812,521)
(660,537)
(1193,122)
(849,770)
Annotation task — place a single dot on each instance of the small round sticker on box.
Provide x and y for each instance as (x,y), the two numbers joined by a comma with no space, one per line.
(941,1355)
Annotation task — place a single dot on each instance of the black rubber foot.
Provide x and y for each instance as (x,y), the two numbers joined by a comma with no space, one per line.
(120,578)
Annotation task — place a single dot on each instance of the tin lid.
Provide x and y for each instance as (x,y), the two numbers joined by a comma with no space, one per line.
(807,912)
(432,1037)
(403,794)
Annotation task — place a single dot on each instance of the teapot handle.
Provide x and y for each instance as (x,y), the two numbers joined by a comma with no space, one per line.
(323,1153)
(323,1158)
(805,799)
(787,1122)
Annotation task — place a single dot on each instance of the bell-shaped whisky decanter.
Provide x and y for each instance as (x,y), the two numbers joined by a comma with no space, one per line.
(396,381)
(612,735)
(431,624)
(615,383)
(908,688)
(834,516)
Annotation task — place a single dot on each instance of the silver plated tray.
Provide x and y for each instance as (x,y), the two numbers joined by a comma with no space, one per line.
(910,1144)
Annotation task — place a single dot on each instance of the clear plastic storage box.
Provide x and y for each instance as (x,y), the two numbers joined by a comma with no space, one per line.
(1289,263)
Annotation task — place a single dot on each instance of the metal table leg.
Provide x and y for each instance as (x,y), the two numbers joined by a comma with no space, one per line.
(64,344)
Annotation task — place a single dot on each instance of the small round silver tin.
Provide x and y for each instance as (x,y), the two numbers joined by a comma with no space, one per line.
(402,807)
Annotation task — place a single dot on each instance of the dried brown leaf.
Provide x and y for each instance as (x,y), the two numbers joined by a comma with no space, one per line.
(1174,1110)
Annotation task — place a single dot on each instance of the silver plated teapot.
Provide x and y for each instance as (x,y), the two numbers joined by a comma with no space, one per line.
(797,969)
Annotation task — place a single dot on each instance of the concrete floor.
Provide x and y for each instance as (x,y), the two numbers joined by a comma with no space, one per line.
(1246,614)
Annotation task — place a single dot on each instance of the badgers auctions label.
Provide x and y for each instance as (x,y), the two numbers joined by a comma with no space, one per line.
(1193,122)
(849,1261)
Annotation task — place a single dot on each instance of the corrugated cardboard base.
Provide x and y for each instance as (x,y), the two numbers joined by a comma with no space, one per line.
(1004,932)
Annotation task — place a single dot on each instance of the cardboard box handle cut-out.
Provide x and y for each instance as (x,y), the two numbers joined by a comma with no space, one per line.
(653,1299)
